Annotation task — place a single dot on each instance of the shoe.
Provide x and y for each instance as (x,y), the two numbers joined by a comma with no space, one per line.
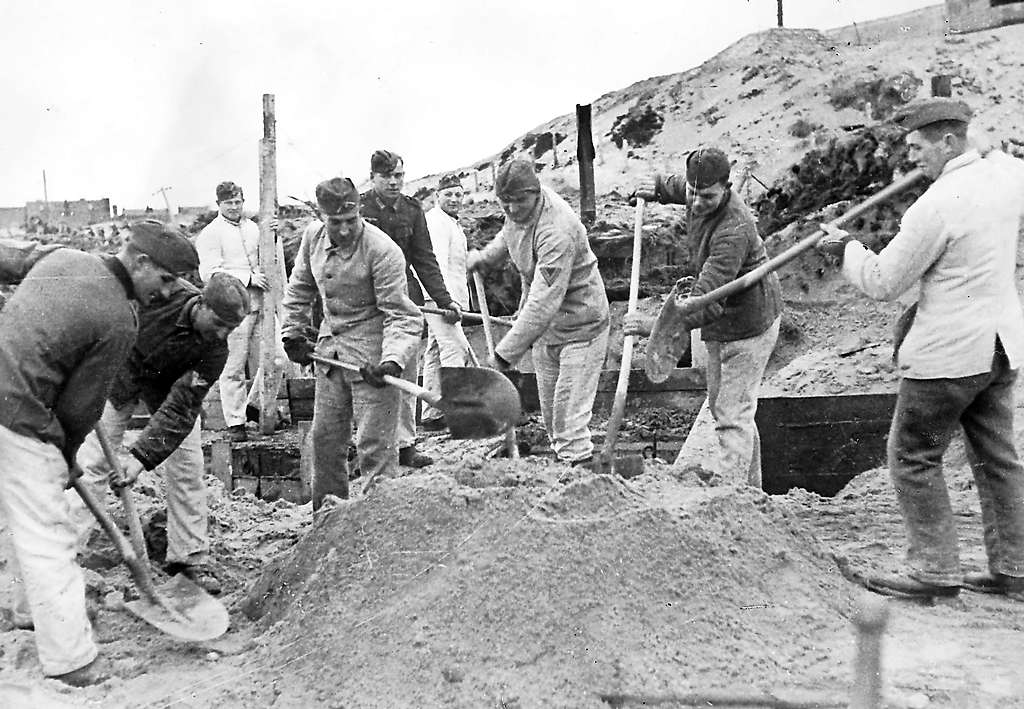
(437,424)
(252,413)
(409,457)
(236,433)
(587,462)
(202,574)
(96,672)
(907,587)
(1001,584)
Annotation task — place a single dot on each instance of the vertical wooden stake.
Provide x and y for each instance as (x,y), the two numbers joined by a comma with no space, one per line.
(585,155)
(270,267)
(870,619)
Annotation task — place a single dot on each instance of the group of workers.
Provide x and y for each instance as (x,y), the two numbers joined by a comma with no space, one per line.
(85,338)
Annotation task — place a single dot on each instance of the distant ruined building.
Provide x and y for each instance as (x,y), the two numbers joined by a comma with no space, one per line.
(950,17)
(974,15)
(69,213)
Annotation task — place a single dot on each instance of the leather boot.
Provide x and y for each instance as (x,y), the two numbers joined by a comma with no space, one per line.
(409,457)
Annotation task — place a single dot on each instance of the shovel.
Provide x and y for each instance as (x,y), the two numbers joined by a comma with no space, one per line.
(467,315)
(478,284)
(669,338)
(179,607)
(477,403)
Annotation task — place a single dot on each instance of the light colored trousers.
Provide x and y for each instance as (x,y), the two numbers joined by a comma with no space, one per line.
(734,377)
(447,346)
(187,540)
(244,341)
(38,542)
(567,379)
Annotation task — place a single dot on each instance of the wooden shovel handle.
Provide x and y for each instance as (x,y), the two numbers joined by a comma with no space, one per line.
(414,389)
(478,284)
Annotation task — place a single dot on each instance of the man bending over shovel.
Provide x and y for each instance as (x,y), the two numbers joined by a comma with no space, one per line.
(369,321)
(179,354)
(563,315)
(64,334)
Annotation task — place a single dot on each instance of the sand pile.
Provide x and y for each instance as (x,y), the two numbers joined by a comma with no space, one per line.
(495,590)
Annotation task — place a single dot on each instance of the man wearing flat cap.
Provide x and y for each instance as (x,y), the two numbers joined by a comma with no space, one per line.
(64,334)
(563,315)
(230,244)
(369,322)
(740,331)
(401,217)
(179,354)
(447,345)
(957,250)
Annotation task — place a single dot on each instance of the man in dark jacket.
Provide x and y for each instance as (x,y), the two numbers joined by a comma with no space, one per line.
(64,334)
(179,354)
(401,218)
(741,330)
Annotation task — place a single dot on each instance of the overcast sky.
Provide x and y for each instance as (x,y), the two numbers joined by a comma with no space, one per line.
(118,98)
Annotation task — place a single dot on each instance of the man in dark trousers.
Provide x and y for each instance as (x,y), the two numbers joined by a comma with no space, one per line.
(64,335)
(179,354)
(402,218)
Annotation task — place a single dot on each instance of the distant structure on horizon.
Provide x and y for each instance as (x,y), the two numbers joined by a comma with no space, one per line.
(950,17)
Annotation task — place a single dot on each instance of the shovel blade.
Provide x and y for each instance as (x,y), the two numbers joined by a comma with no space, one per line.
(183,609)
(477,402)
(668,342)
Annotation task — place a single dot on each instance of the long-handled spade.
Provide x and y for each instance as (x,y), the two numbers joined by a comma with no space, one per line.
(178,607)
(478,284)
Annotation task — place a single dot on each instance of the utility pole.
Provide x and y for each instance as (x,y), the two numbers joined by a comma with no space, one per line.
(780,12)
(46,201)
(163,193)
(272,268)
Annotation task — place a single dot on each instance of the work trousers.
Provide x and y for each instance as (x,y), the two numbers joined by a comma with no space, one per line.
(734,375)
(567,379)
(338,402)
(447,346)
(928,413)
(39,545)
(243,346)
(182,471)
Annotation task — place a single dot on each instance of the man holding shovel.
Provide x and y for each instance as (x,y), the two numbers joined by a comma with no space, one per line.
(447,345)
(179,354)
(369,321)
(959,358)
(741,330)
(563,315)
(64,334)
(401,218)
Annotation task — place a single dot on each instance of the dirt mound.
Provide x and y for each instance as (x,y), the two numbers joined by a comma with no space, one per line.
(430,592)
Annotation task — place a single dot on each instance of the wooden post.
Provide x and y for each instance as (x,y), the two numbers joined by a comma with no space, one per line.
(270,267)
(554,148)
(942,85)
(585,155)
(780,13)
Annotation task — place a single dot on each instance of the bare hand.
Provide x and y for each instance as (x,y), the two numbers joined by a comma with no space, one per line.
(452,315)
(647,188)
(131,472)
(833,243)
(272,223)
(258,280)
(637,324)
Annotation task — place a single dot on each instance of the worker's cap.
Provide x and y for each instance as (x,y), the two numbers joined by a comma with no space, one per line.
(514,177)
(226,296)
(448,181)
(384,162)
(228,190)
(166,245)
(337,196)
(706,167)
(923,112)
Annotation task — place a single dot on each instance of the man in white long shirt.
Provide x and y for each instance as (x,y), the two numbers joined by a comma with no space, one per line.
(957,247)
(447,345)
(230,244)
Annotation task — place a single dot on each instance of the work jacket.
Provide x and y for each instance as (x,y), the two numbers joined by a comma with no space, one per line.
(449,244)
(404,222)
(64,334)
(563,294)
(234,249)
(171,369)
(724,245)
(368,315)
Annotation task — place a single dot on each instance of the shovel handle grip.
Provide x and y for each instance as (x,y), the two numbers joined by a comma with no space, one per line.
(408,387)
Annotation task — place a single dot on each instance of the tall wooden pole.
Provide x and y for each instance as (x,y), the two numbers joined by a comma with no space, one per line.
(780,13)
(271,269)
(585,156)
(46,202)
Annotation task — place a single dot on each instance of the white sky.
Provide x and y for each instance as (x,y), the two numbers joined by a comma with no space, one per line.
(117,98)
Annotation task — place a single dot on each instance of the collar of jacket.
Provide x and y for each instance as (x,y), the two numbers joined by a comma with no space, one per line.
(114,265)
(381,204)
(962,160)
(234,224)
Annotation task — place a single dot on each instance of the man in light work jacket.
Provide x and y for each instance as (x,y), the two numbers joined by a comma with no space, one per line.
(230,244)
(957,245)
(741,330)
(563,315)
(179,354)
(447,345)
(369,322)
(401,218)
(64,334)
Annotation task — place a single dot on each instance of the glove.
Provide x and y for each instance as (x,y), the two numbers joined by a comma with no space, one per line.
(452,314)
(374,374)
(834,242)
(299,349)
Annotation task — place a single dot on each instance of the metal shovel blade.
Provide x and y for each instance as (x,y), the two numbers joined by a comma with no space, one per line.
(477,402)
(183,609)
